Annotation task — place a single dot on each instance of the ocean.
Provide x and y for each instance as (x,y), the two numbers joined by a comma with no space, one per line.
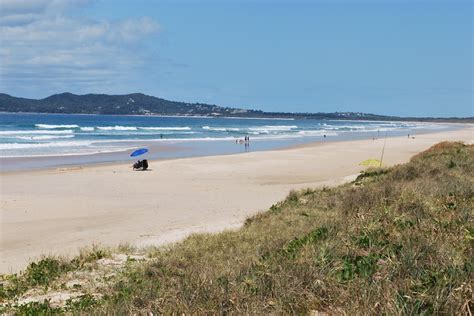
(61,135)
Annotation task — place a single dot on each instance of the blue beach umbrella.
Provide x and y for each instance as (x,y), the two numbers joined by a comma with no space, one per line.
(139,152)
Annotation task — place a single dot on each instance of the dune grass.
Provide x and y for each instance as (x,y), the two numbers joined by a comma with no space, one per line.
(395,241)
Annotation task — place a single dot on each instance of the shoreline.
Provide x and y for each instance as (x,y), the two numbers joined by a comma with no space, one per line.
(58,211)
(168,149)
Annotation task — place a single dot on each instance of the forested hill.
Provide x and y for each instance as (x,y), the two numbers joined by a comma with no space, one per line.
(141,104)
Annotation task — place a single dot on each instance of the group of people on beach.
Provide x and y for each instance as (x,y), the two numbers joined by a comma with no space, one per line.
(245,141)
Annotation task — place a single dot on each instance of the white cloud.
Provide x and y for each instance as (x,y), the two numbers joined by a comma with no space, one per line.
(18,19)
(11,7)
(39,40)
(29,10)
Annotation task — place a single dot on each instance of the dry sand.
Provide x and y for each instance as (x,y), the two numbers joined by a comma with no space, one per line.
(58,211)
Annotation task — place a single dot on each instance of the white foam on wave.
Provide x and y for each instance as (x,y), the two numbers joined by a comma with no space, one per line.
(140,133)
(429,126)
(272,128)
(28,132)
(317,133)
(299,134)
(117,128)
(87,129)
(43,137)
(8,146)
(365,128)
(70,152)
(49,126)
(373,126)
(146,128)
(380,129)
(158,128)
(346,127)
(221,129)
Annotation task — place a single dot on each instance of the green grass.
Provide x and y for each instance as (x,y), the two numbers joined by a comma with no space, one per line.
(44,272)
(396,241)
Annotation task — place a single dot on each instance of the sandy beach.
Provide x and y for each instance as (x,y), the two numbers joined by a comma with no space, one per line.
(58,211)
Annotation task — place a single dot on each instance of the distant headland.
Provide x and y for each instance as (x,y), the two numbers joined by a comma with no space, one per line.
(141,104)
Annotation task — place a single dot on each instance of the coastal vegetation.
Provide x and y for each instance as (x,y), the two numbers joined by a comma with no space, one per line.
(141,104)
(397,240)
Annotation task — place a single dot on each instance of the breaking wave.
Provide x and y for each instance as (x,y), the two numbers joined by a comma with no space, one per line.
(117,128)
(48,126)
(28,132)
(186,128)
(44,137)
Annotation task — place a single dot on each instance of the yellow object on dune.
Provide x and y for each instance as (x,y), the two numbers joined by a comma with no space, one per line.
(370,163)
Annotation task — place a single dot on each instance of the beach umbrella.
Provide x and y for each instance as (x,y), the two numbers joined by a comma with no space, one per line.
(139,152)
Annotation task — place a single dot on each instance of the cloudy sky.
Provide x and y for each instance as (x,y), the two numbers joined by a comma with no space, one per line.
(388,57)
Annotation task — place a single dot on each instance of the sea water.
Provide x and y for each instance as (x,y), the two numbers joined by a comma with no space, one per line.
(53,135)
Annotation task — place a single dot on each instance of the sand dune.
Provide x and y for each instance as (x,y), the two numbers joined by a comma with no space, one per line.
(59,211)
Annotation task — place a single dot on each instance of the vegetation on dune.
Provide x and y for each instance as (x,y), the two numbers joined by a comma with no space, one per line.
(395,241)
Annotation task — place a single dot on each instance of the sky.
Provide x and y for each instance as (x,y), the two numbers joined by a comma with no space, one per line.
(393,57)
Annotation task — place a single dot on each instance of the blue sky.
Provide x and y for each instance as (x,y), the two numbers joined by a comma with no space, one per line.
(409,58)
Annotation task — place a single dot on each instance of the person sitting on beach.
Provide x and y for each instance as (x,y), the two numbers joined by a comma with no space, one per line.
(141,164)
(137,165)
